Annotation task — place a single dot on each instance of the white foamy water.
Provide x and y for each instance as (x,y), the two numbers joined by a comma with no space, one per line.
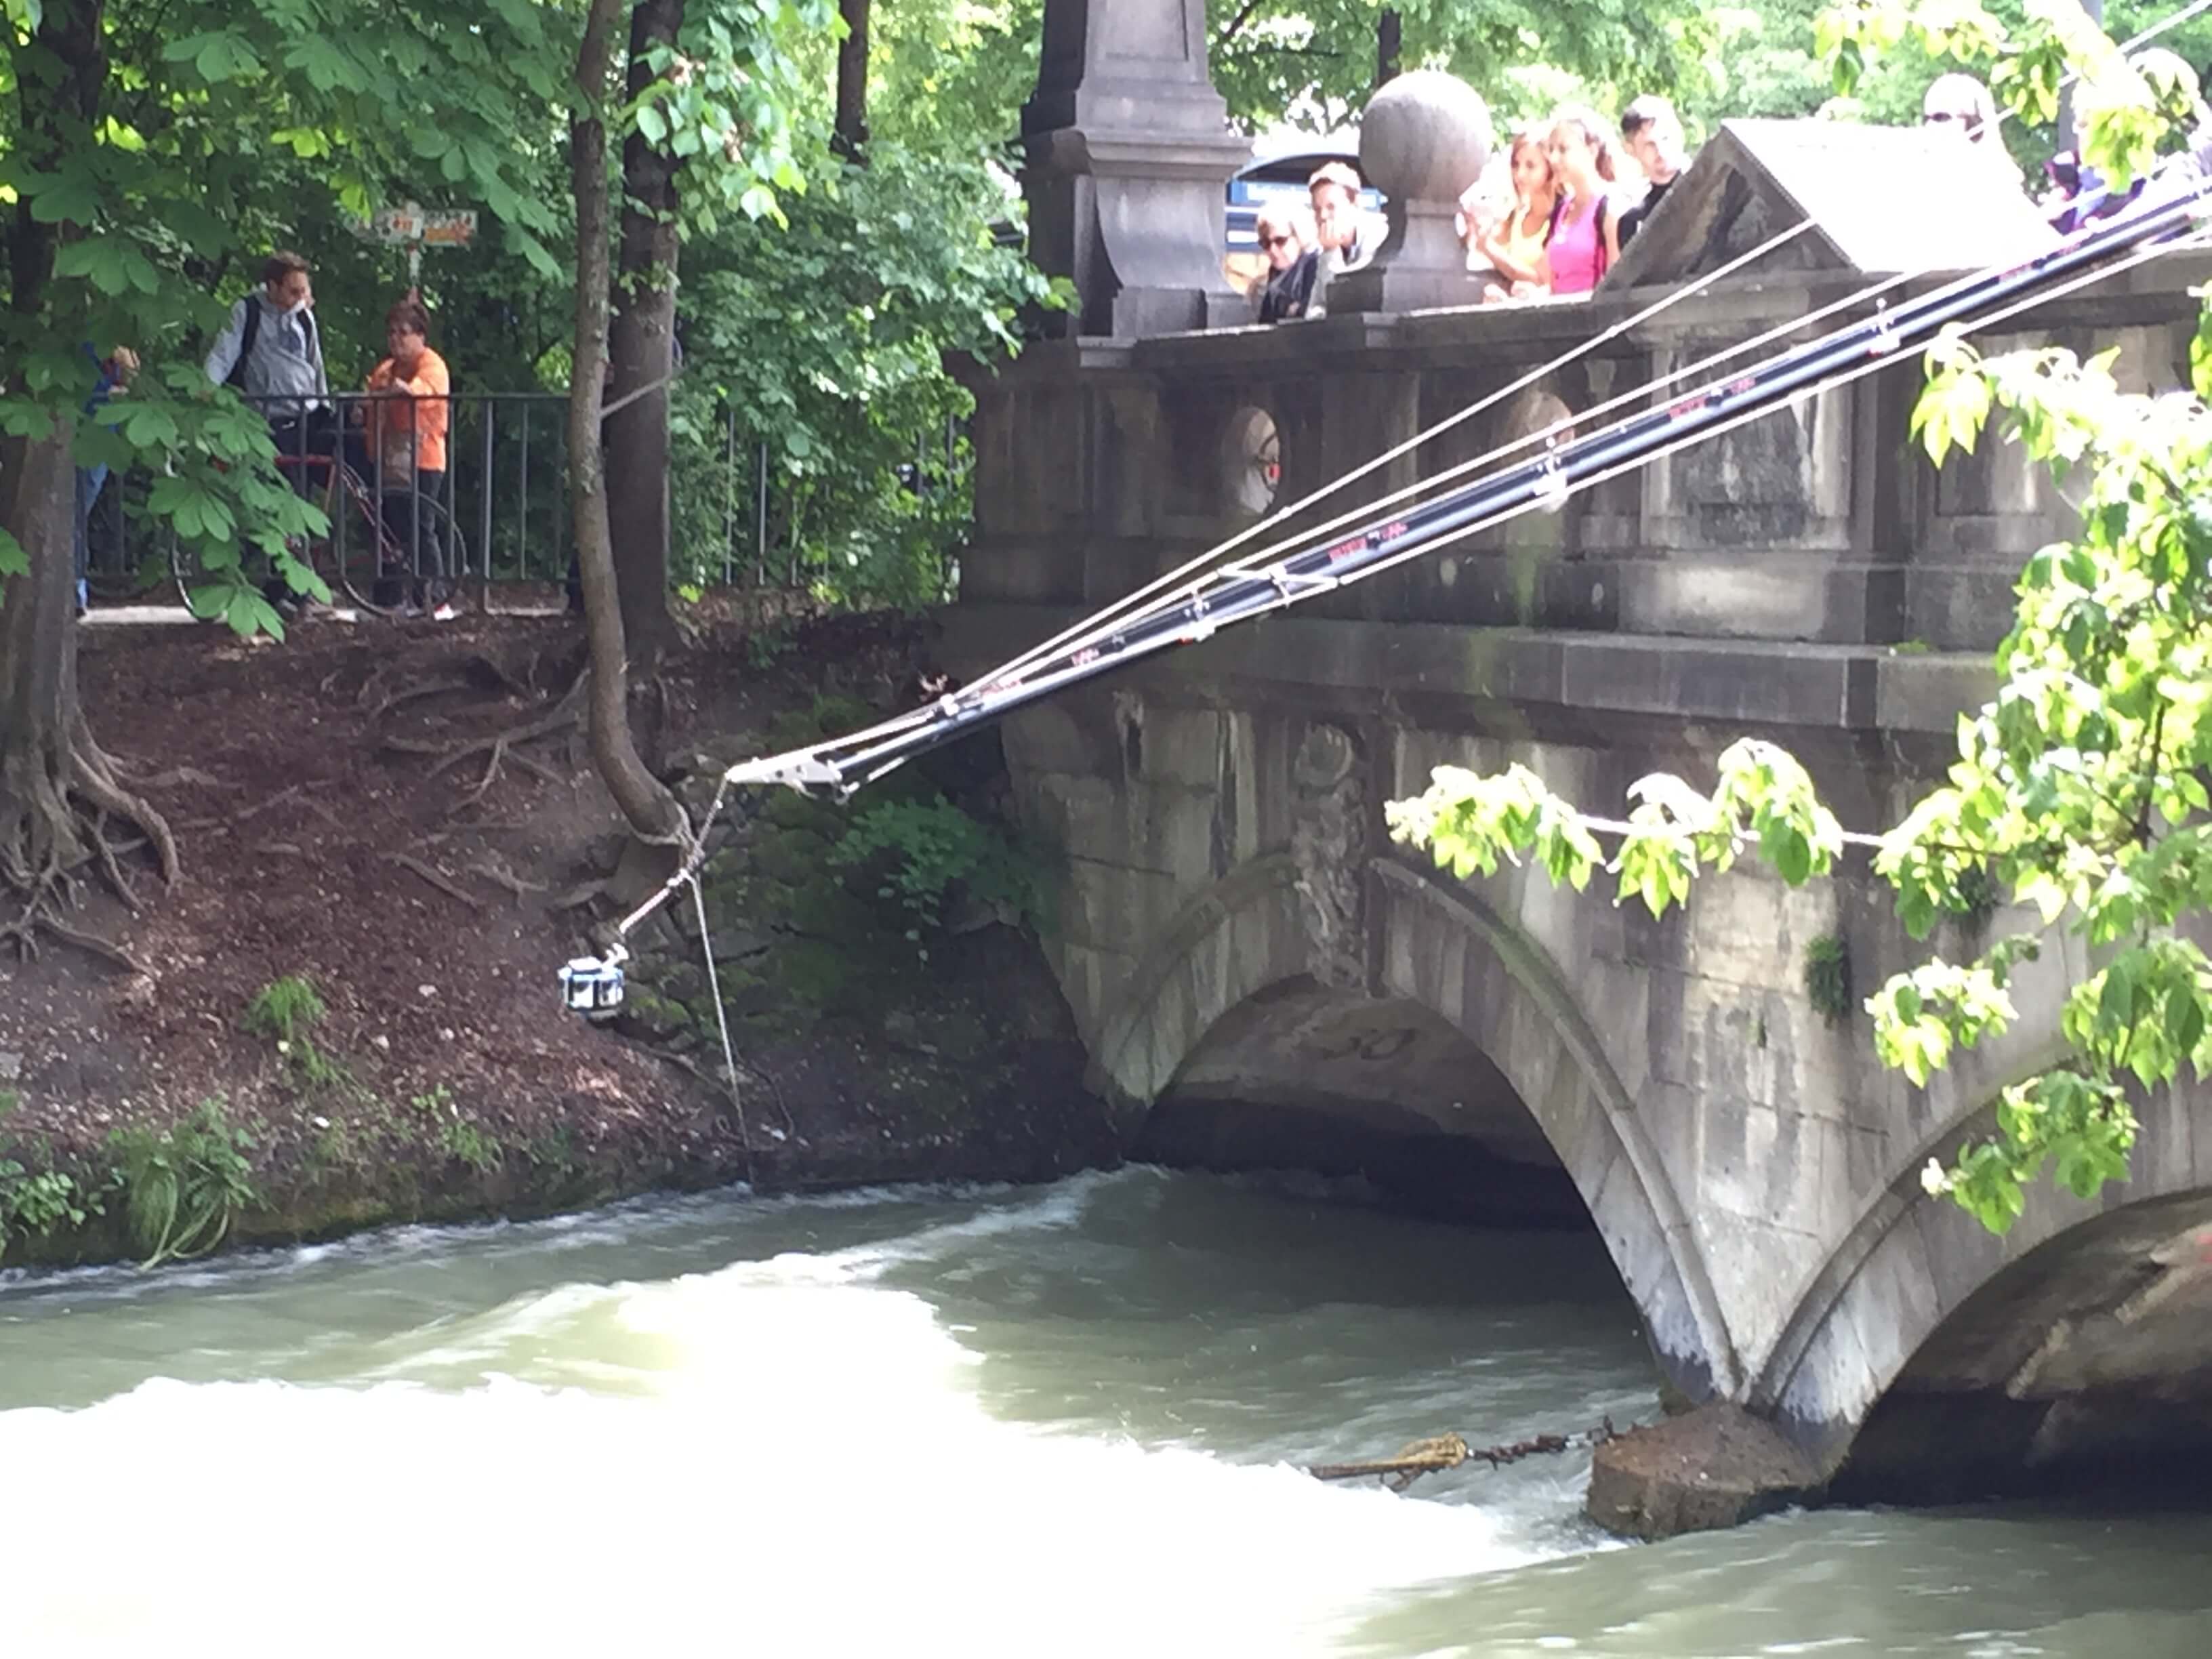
(1057,1421)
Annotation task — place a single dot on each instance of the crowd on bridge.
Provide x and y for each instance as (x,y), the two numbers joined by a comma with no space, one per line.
(1552,213)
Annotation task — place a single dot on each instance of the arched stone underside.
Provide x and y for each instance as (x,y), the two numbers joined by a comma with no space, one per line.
(1245,936)
(1240,937)
(1450,953)
(2108,1301)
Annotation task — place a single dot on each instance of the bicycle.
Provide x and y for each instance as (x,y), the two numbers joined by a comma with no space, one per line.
(367,561)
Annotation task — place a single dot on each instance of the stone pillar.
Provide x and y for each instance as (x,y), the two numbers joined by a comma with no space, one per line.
(1422,141)
(1129,158)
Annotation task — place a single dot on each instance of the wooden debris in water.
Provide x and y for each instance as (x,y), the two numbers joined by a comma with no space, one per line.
(1448,1451)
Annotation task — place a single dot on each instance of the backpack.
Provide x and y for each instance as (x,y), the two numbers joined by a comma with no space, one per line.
(253,333)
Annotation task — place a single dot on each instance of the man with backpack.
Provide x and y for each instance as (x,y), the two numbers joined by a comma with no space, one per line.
(272,353)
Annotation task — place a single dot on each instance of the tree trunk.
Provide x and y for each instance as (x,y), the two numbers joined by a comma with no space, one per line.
(1389,50)
(56,788)
(850,134)
(643,348)
(653,813)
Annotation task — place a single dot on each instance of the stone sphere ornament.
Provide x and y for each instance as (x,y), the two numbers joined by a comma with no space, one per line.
(1424,137)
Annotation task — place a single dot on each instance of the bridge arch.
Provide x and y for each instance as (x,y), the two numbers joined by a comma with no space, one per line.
(1443,951)
(1923,1317)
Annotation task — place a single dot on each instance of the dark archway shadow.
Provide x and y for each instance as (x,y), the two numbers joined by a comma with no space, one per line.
(2085,1366)
(1303,1076)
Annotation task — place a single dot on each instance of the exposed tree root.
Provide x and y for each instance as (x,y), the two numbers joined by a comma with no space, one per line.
(562,717)
(55,820)
(574,898)
(493,871)
(437,878)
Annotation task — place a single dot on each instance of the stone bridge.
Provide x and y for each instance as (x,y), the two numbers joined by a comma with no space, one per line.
(1261,976)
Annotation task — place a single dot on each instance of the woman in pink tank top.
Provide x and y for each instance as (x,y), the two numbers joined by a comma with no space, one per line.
(1585,237)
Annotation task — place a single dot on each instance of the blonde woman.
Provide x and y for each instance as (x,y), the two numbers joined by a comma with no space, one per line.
(1514,246)
(1585,238)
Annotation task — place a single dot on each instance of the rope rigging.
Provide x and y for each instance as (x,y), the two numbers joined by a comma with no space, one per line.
(1189,604)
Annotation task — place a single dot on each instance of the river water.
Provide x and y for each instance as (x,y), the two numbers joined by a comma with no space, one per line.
(1034,1421)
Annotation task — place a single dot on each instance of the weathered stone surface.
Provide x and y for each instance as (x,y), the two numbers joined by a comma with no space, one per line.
(1712,1467)
(1241,932)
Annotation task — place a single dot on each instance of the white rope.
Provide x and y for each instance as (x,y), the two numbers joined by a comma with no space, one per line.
(1101,623)
(721,1017)
(2172,20)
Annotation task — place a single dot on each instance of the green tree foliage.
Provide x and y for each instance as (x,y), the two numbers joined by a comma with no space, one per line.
(1312,63)
(827,334)
(144,143)
(2079,791)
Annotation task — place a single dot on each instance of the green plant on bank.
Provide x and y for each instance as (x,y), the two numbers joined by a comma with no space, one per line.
(184,1187)
(34,1203)
(471,1144)
(924,852)
(1829,977)
(285,1011)
(459,1138)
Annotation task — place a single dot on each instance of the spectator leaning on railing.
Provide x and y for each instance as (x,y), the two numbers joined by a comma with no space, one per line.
(1289,287)
(272,351)
(409,412)
(1347,241)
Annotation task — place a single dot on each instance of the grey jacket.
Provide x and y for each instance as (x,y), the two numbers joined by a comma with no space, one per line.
(286,362)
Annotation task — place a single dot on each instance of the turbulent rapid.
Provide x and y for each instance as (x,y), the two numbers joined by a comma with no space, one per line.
(1063,1421)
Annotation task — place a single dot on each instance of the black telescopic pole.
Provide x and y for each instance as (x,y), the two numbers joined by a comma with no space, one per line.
(1531,485)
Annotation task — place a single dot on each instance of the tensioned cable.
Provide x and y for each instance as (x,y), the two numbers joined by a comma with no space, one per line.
(1582,349)
(1097,623)
(1083,634)
(1075,673)
(1284,580)
(1292,585)
(1102,624)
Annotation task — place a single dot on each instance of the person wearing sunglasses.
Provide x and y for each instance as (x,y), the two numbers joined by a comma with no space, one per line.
(1287,293)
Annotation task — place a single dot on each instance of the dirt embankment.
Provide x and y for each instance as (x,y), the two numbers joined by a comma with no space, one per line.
(355,836)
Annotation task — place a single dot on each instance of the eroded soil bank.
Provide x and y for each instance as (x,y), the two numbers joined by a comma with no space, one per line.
(351,822)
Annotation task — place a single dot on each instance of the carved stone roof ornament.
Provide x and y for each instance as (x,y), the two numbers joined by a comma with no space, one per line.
(1129,155)
(1755,179)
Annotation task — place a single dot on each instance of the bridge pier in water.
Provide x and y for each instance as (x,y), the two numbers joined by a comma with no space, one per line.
(1238,935)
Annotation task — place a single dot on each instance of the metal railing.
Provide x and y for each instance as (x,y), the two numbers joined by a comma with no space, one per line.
(497,514)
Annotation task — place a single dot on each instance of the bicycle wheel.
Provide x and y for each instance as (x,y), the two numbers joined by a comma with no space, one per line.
(122,569)
(376,568)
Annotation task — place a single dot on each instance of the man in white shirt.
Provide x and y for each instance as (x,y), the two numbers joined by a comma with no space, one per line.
(1347,240)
